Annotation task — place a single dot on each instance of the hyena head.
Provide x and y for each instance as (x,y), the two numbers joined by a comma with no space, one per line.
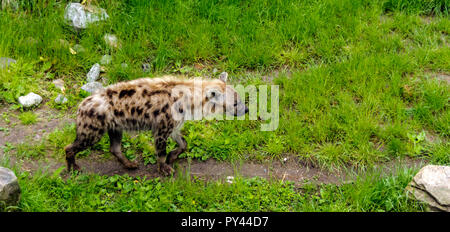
(225,99)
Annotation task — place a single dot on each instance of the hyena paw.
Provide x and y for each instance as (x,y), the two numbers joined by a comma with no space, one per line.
(76,167)
(131,165)
(73,167)
(165,169)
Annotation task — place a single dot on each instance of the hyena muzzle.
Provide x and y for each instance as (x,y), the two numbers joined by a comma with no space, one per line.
(158,104)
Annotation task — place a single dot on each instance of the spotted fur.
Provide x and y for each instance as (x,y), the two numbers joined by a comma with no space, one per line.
(144,104)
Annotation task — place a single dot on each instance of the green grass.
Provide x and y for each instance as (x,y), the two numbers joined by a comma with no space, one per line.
(429,7)
(27,118)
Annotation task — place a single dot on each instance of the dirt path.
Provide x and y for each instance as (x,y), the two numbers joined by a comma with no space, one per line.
(48,120)
(292,169)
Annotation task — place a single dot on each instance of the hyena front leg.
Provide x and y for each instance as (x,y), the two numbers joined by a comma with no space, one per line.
(182,145)
(115,139)
(160,147)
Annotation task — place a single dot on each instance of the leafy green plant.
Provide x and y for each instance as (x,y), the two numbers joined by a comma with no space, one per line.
(417,139)
(28,118)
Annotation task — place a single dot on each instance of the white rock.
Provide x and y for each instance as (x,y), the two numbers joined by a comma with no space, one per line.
(59,84)
(5,62)
(432,186)
(10,4)
(9,188)
(60,99)
(78,48)
(92,87)
(106,59)
(81,16)
(64,43)
(111,40)
(93,73)
(146,67)
(30,99)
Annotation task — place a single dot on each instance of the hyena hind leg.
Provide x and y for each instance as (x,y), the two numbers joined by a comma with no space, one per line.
(71,151)
(82,142)
(182,145)
(115,139)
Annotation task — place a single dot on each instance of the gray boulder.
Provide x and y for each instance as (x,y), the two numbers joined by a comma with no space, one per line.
(431,185)
(92,87)
(30,99)
(9,188)
(94,73)
(80,16)
(6,62)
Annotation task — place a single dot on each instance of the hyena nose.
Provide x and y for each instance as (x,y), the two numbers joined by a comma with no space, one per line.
(246,109)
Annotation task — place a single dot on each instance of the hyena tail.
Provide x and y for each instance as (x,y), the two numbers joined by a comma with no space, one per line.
(86,137)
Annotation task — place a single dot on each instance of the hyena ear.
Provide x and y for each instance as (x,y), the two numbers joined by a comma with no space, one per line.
(223,76)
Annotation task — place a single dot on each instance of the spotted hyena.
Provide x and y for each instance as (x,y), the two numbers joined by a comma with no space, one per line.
(161,105)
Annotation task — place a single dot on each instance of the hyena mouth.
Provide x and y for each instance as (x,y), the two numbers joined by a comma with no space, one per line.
(236,112)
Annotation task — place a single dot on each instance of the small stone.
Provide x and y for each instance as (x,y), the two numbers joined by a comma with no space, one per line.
(111,40)
(60,99)
(59,84)
(64,43)
(78,48)
(124,65)
(92,87)
(431,185)
(215,71)
(106,59)
(30,99)
(94,73)
(6,62)
(9,188)
(80,16)
(146,67)
(10,4)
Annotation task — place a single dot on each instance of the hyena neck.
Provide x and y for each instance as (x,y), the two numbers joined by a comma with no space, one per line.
(190,97)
